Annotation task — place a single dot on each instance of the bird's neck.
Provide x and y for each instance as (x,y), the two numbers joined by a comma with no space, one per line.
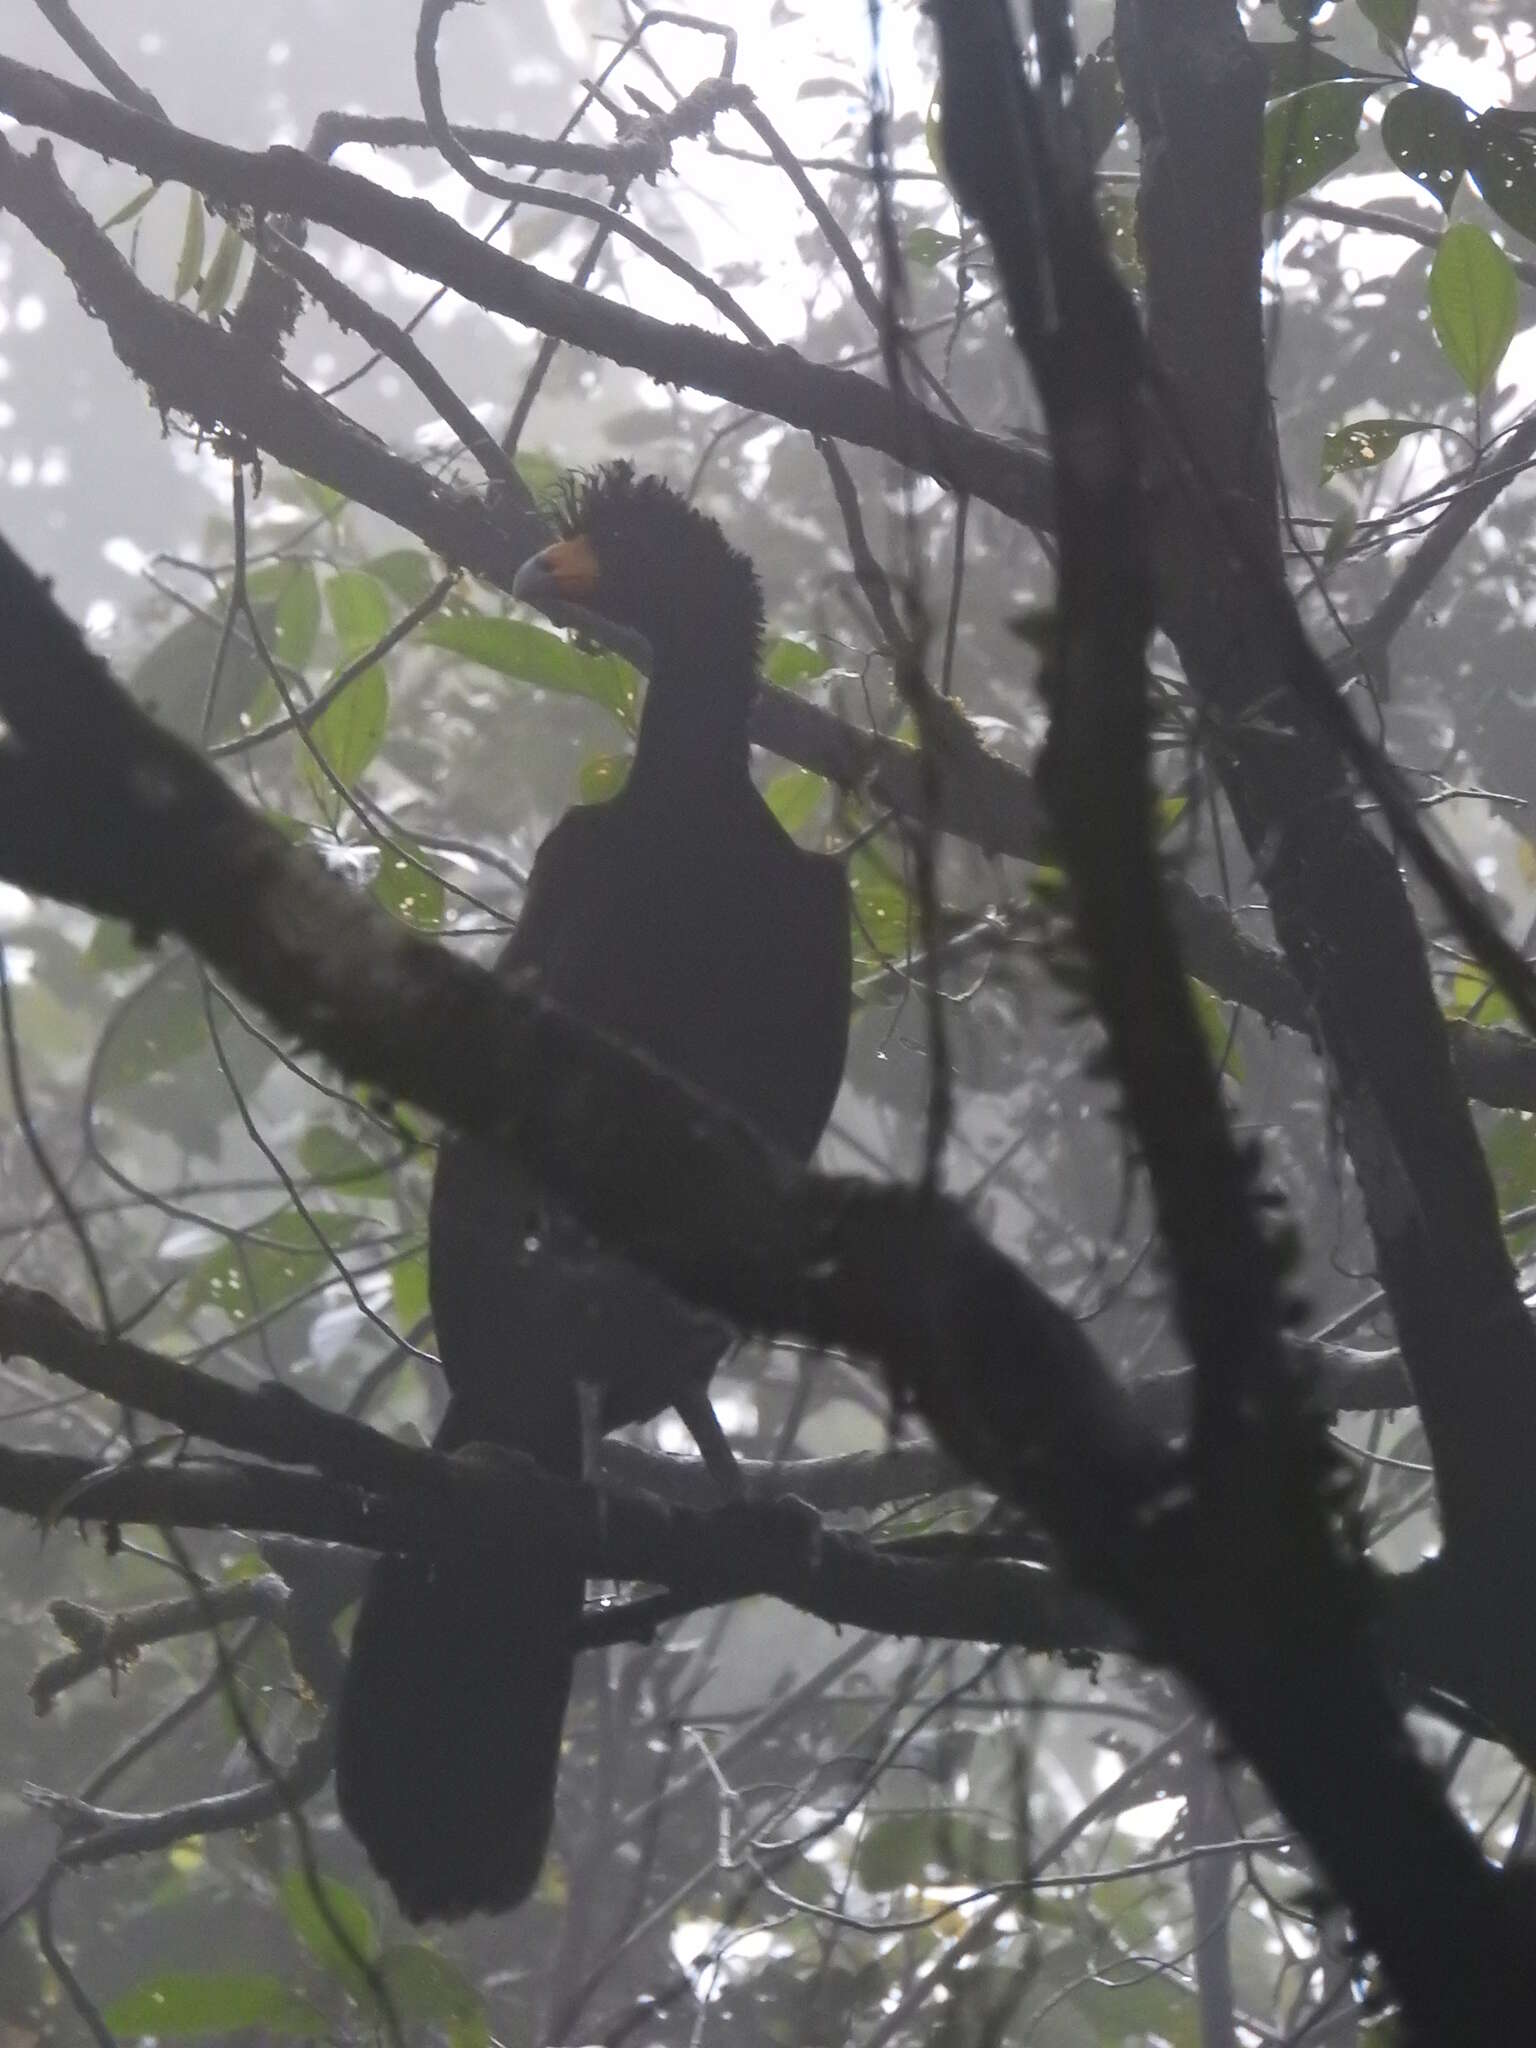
(693,728)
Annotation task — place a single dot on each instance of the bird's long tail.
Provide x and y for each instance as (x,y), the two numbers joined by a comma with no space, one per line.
(448,1743)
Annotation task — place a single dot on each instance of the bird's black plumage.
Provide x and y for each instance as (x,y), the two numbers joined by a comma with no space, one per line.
(681,918)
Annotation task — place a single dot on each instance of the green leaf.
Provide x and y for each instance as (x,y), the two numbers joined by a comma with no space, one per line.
(789,662)
(359,607)
(113,947)
(326,499)
(927,247)
(408,1290)
(1290,66)
(250,1564)
(1215,1019)
(531,235)
(407,572)
(408,888)
(825,89)
(1503,167)
(189,264)
(348,733)
(1341,531)
(602,776)
(334,1925)
(1509,1140)
(296,621)
(895,1851)
(530,654)
(145,1048)
(1473,302)
(160,1025)
(425,1987)
(1120,224)
(131,209)
(933,137)
(1098,99)
(904,1849)
(884,914)
(184,2005)
(1150,2008)
(1474,995)
(246,1278)
(171,682)
(1392,21)
(336,1160)
(219,278)
(539,471)
(795,797)
(1365,443)
(1428,134)
(1310,133)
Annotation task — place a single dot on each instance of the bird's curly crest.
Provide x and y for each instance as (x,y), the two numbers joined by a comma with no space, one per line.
(640,527)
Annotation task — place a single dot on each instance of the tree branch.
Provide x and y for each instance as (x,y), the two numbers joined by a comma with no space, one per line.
(195,368)
(98,1834)
(98,806)
(703,1557)
(111,1642)
(1341,910)
(840,403)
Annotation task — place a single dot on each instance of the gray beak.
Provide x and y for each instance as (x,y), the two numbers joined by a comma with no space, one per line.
(533,583)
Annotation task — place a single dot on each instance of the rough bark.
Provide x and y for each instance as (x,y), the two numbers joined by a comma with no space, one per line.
(1340,907)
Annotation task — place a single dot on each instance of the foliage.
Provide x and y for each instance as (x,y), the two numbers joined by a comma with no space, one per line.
(768,1823)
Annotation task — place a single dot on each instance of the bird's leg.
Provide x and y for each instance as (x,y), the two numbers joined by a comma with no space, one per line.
(703,1425)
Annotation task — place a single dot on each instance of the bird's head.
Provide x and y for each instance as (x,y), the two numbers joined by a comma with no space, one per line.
(633,554)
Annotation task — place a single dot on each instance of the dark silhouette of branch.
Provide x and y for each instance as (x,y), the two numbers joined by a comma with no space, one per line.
(99,807)
(97,59)
(778,380)
(1077,329)
(859,1481)
(1426,233)
(703,1557)
(1008,1382)
(1341,911)
(193,367)
(1261,1471)
(1435,550)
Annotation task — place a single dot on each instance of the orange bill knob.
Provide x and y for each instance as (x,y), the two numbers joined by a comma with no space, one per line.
(566,570)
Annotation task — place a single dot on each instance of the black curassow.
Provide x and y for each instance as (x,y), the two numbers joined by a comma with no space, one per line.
(681,918)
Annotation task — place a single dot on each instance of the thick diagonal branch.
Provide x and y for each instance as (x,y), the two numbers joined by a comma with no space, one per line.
(778,381)
(1339,904)
(99,806)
